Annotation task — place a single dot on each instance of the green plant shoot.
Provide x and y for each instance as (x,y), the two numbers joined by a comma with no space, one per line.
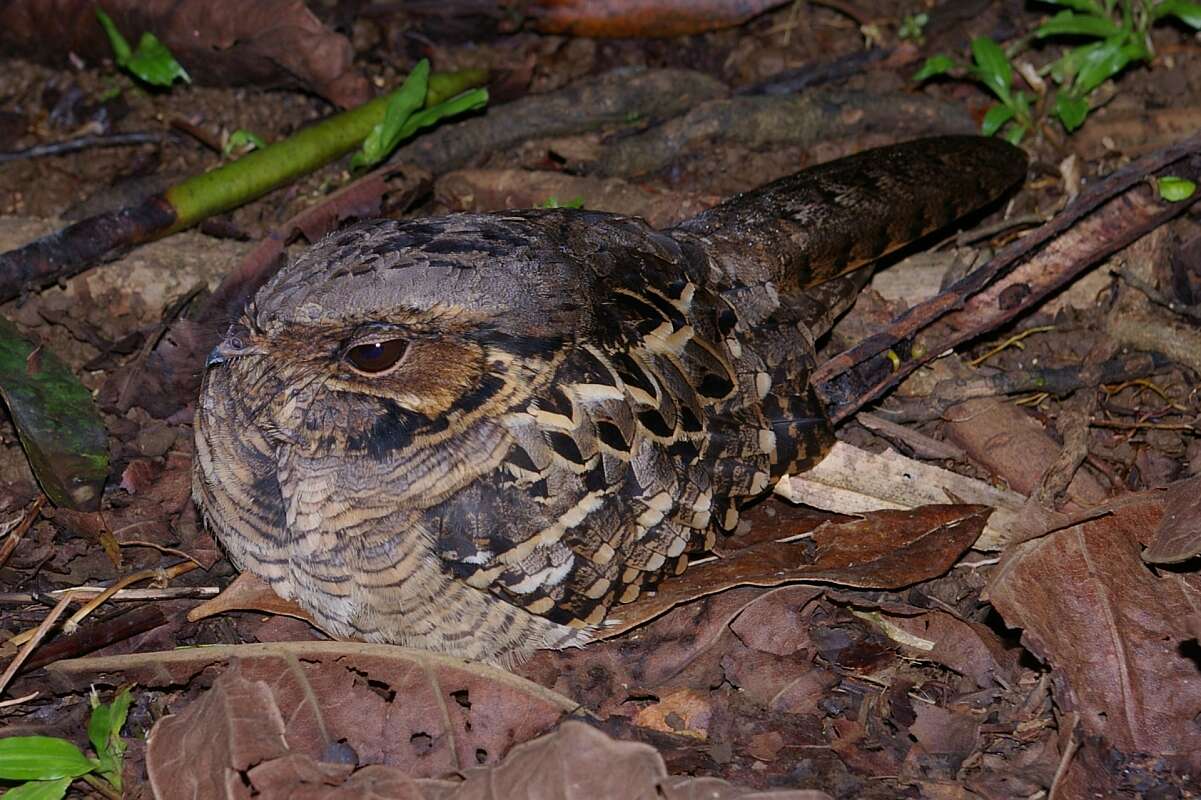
(402,118)
(151,62)
(48,765)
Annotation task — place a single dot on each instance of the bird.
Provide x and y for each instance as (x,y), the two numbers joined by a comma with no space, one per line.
(478,434)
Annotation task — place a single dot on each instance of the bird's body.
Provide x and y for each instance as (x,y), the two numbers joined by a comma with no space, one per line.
(476,434)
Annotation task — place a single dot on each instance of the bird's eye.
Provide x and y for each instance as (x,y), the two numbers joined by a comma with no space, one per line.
(376,357)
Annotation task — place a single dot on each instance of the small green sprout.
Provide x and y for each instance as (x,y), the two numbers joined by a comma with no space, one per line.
(242,141)
(1118,35)
(151,62)
(1174,189)
(405,116)
(912,26)
(46,765)
(553,202)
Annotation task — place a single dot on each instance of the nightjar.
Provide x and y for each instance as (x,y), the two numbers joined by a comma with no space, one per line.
(478,433)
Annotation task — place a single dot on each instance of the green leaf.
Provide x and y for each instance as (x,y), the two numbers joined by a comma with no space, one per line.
(935,65)
(1070,110)
(121,49)
(1071,24)
(59,427)
(1188,13)
(468,101)
(41,758)
(553,202)
(1174,189)
(912,25)
(996,116)
(992,67)
(1087,6)
(385,136)
(1099,65)
(242,139)
(40,790)
(1014,134)
(104,727)
(445,85)
(152,62)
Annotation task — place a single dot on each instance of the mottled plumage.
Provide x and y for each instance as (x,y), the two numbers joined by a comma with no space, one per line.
(478,433)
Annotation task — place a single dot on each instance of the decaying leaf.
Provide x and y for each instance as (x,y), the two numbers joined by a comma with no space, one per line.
(1178,537)
(270,42)
(428,714)
(851,481)
(59,427)
(885,550)
(248,592)
(628,18)
(1119,634)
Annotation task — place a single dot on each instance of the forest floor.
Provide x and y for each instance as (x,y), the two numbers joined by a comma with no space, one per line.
(1021,664)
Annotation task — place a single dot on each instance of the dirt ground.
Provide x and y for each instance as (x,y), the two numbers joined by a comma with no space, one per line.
(1046,658)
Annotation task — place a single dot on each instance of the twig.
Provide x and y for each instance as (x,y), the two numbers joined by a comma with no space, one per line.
(122,596)
(1104,218)
(1065,760)
(1157,426)
(988,231)
(89,638)
(198,133)
(27,520)
(1193,312)
(161,575)
(82,143)
(38,634)
(16,701)
(94,602)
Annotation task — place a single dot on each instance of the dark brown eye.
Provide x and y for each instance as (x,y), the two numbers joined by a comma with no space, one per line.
(376,357)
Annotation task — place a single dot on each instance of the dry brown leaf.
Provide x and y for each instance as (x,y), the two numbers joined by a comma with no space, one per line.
(685,712)
(969,648)
(642,18)
(885,550)
(248,592)
(274,43)
(1014,447)
(1178,536)
(578,762)
(428,714)
(852,481)
(1118,633)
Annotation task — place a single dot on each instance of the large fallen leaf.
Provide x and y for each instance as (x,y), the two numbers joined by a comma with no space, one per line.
(1178,536)
(578,762)
(639,18)
(59,427)
(427,714)
(884,550)
(852,481)
(1120,635)
(223,42)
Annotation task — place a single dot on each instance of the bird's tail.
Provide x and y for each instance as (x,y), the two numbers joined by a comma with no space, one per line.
(827,220)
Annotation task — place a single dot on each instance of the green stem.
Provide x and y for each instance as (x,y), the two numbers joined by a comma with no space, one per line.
(99,784)
(257,173)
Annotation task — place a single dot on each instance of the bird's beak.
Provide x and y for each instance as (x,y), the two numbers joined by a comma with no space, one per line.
(231,348)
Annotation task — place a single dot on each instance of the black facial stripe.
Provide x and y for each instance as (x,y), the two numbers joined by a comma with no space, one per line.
(485,390)
(521,346)
(393,430)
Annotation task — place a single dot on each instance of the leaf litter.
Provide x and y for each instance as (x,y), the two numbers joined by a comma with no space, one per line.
(885,672)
